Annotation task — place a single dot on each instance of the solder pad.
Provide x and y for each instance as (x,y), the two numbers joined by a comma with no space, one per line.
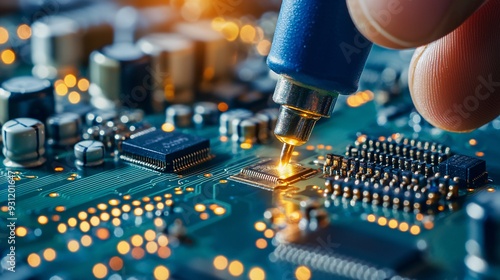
(268,175)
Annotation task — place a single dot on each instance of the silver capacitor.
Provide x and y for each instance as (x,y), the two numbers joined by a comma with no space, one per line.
(56,46)
(214,54)
(24,141)
(249,130)
(120,77)
(64,129)
(173,63)
(89,153)
(26,97)
(270,116)
(205,113)
(225,119)
(179,115)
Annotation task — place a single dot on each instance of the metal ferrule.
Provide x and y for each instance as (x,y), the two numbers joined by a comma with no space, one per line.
(301,108)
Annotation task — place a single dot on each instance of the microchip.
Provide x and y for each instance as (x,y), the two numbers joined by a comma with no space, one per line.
(268,175)
(166,151)
(470,170)
(347,249)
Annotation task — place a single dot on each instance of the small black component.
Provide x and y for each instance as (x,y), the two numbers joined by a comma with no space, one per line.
(470,170)
(268,174)
(166,152)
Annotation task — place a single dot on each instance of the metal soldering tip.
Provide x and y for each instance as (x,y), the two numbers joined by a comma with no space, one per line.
(286,154)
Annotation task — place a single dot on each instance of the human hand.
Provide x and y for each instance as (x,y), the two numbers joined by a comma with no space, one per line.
(454,75)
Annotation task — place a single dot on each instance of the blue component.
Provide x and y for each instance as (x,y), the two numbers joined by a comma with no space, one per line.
(317,44)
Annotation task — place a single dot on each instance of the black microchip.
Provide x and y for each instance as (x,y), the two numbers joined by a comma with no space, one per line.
(166,151)
(470,170)
(268,174)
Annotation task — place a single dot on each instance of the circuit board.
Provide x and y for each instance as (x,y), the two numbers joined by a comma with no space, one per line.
(215,207)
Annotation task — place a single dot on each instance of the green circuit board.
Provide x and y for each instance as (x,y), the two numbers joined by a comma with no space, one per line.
(376,193)
(119,218)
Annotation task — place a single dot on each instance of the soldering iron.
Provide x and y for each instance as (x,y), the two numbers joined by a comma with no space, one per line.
(319,54)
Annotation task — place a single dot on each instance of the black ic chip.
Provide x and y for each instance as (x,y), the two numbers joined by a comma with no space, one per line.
(166,151)
(268,175)
(470,170)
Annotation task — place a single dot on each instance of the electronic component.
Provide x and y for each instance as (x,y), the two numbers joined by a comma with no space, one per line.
(56,46)
(213,51)
(483,258)
(226,119)
(64,129)
(26,96)
(128,116)
(89,153)
(166,152)
(173,66)
(98,117)
(470,170)
(249,130)
(351,254)
(23,143)
(270,116)
(395,172)
(205,113)
(179,115)
(268,175)
(118,74)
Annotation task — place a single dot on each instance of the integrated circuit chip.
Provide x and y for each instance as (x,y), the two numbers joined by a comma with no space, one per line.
(268,174)
(470,170)
(166,151)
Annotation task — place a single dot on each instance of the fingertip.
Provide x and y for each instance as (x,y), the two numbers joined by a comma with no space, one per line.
(455,81)
(406,23)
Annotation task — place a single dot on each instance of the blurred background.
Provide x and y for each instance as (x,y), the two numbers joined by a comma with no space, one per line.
(150,54)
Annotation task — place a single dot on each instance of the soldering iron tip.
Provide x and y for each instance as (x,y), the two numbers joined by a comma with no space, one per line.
(286,154)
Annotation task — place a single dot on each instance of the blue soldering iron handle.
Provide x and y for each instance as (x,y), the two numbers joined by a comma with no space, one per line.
(317,45)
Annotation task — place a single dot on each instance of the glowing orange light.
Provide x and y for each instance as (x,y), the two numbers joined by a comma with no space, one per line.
(70,80)
(116,263)
(4,35)
(8,57)
(24,32)
(220,262)
(230,31)
(168,127)
(83,84)
(222,106)
(100,271)
(247,33)
(74,97)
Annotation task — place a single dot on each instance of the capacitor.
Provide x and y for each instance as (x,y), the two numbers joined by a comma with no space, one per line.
(56,46)
(120,75)
(179,115)
(270,116)
(24,140)
(226,118)
(205,113)
(64,129)
(249,130)
(213,51)
(482,246)
(131,116)
(89,153)
(173,70)
(97,117)
(26,96)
